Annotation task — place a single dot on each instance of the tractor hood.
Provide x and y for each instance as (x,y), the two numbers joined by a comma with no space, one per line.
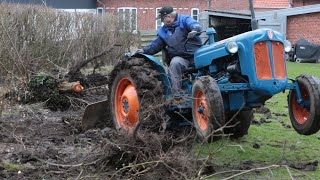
(208,53)
(261,58)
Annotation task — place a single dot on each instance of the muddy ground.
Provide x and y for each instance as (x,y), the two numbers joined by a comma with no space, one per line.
(43,140)
(39,143)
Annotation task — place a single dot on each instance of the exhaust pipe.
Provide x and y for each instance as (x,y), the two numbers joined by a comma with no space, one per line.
(254,22)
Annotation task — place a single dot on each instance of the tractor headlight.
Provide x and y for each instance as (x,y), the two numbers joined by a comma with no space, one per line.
(287,46)
(232,47)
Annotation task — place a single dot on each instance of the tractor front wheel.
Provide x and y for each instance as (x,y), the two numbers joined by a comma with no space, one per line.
(305,118)
(207,107)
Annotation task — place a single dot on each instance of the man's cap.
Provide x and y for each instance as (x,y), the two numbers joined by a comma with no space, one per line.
(164,11)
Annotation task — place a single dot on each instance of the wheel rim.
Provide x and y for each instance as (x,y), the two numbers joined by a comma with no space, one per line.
(201,108)
(126,104)
(301,114)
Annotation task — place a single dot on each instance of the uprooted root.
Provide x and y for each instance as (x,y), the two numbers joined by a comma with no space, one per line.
(153,156)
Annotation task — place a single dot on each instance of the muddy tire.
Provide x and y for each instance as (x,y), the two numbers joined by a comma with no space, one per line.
(207,107)
(305,120)
(241,122)
(135,95)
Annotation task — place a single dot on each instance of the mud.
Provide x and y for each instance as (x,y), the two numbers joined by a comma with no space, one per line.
(39,143)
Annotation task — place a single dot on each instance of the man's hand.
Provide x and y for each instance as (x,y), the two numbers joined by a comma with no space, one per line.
(192,34)
(139,51)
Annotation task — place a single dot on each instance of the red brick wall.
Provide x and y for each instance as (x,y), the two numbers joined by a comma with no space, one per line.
(146,9)
(305,26)
(230,4)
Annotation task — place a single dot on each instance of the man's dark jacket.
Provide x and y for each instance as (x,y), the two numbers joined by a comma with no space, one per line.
(173,38)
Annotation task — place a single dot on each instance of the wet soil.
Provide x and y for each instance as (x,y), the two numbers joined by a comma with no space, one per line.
(39,143)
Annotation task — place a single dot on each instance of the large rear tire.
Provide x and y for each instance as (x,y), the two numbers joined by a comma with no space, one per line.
(135,92)
(240,123)
(207,107)
(305,120)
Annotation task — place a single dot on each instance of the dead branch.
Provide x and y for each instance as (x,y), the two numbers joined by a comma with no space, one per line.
(135,165)
(66,165)
(301,173)
(17,138)
(15,48)
(77,67)
(11,72)
(241,172)
(174,170)
(288,170)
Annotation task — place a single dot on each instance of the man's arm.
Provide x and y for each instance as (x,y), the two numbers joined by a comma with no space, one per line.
(193,25)
(155,46)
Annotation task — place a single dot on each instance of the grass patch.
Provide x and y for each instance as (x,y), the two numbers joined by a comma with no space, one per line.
(273,143)
(12,167)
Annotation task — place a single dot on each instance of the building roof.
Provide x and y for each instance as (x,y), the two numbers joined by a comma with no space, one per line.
(271,3)
(235,12)
(290,11)
(58,4)
(244,14)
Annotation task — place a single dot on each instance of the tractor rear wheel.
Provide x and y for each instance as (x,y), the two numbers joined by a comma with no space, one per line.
(241,123)
(135,92)
(305,120)
(207,107)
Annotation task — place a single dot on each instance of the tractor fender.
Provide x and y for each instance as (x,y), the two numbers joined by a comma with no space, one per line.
(164,75)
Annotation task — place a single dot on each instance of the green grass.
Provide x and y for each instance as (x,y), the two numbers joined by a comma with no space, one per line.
(277,144)
(12,167)
(295,69)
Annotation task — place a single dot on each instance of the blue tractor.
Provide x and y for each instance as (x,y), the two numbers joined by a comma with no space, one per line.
(228,80)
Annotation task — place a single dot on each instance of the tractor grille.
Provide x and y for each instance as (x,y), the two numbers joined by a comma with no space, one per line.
(269,60)
(278,60)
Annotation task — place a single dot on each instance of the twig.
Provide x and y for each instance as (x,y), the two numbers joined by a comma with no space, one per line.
(203,166)
(237,145)
(250,170)
(185,176)
(66,165)
(288,170)
(79,176)
(14,47)
(241,172)
(10,72)
(222,172)
(80,65)
(17,138)
(301,173)
(135,165)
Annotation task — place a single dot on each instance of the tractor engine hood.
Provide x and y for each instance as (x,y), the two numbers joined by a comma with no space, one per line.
(261,58)
(208,53)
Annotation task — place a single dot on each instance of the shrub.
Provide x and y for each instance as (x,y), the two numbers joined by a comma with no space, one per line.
(37,39)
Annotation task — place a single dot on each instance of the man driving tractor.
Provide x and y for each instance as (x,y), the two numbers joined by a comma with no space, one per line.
(171,38)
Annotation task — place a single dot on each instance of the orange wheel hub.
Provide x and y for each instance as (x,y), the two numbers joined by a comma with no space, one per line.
(201,109)
(126,104)
(301,114)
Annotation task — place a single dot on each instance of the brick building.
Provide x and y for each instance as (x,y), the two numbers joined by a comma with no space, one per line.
(140,14)
(303,22)
(143,12)
(304,25)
